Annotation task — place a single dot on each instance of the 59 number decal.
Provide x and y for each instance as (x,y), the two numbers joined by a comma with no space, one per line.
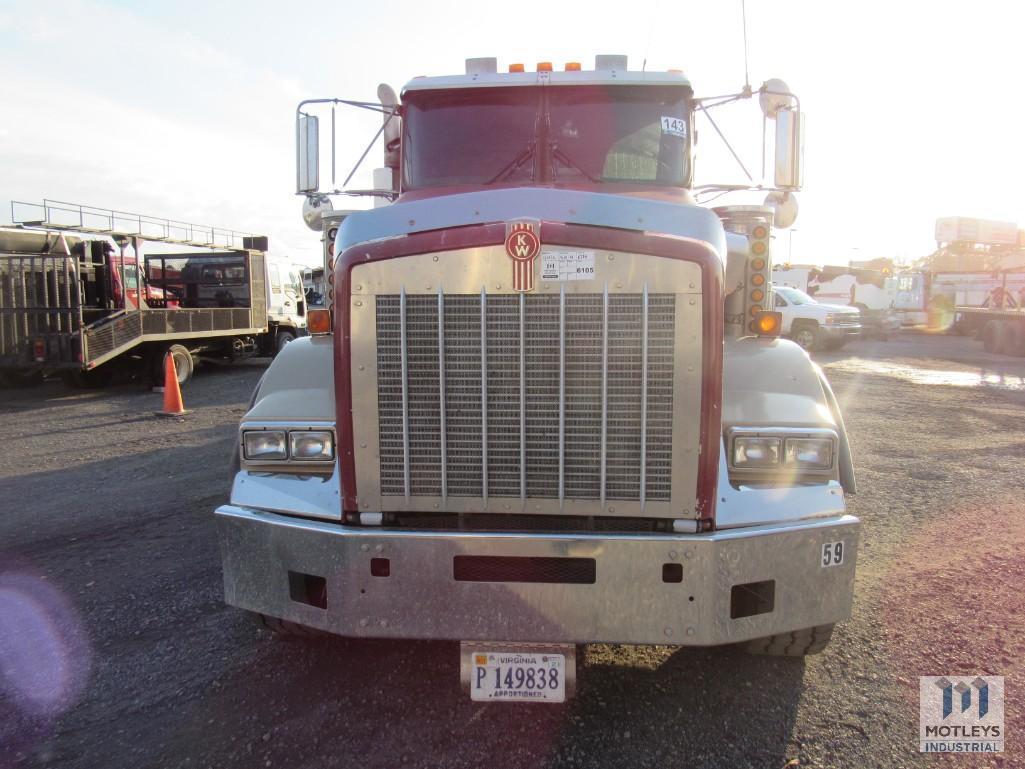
(832,554)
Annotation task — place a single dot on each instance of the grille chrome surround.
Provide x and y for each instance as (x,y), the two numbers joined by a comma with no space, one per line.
(545,403)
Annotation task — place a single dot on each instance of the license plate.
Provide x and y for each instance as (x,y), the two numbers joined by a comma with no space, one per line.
(517,677)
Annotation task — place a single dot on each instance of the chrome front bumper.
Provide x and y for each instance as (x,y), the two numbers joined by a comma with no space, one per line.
(837,332)
(269,557)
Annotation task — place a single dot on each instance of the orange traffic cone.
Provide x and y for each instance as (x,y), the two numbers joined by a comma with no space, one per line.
(173,406)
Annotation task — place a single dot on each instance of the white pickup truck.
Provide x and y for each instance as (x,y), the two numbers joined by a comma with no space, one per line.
(813,325)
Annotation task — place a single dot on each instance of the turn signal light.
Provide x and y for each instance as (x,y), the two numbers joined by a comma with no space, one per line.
(768,323)
(515,67)
(544,66)
(318,321)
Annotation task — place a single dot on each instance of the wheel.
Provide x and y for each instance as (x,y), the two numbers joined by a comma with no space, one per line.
(282,338)
(184,365)
(284,628)
(993,336)
(15,378)
(1014,339)
(93,379)
(807,336)
(799,643)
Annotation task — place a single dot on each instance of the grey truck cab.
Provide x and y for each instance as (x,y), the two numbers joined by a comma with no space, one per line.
(551,406)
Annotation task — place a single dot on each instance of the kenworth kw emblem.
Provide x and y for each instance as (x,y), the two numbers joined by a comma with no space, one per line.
(523,244)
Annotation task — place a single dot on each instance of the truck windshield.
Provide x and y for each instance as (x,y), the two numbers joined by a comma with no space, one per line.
(556,134)
(793,295)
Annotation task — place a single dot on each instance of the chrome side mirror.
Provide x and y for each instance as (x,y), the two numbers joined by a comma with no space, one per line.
(307,153)
(789,149)
(779,104)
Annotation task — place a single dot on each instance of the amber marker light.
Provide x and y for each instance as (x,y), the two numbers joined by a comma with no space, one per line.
(760,231)
(515,67)
(573,66)
(758,264)
(544,66)
(757,295)
(768,323)
(318,321)
(758,248)
(758,279)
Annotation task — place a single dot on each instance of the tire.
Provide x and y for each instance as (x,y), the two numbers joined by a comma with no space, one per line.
(993,336)
(799,643)
(286,629)
(16,379)
(1015,342)
(807,335)
(93,379)
(282,338)
(184,364)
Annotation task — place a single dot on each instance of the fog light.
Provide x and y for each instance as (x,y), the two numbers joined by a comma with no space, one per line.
(311,445)
(264,444)
(809,452)
(755,452)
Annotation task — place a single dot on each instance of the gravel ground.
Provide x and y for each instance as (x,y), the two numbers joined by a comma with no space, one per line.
(107,542)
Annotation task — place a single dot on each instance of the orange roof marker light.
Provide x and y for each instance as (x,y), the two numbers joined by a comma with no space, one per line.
(515,67)
(544,66)
(572,66)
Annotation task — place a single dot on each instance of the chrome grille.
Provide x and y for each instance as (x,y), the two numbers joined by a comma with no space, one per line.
(539,396)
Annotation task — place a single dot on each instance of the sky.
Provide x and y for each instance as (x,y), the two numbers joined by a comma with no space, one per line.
(185,110)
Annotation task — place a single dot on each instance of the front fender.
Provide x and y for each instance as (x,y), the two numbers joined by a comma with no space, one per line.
(297,388)
(773,383)
(299,385)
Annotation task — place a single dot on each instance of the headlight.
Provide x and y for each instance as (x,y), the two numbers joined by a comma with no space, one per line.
(755,451)
(811,453)
(311,446)
(264,444)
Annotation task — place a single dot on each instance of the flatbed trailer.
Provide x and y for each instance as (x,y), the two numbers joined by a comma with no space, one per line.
(1001,329)
(73,305)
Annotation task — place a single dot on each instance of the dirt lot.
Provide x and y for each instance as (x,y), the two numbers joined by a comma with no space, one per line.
(108,561)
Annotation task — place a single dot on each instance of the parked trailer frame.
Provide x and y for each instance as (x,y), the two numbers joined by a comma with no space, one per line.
(55,313)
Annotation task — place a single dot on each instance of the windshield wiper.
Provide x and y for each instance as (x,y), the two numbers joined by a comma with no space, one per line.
(558,154)
(514,164)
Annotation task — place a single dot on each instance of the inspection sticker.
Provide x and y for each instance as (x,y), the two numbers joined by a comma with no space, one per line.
(567,265)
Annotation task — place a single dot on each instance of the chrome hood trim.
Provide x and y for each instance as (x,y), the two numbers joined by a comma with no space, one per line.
(595,209)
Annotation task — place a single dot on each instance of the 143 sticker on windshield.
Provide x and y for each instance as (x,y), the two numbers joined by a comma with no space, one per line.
(567,265)
(674,126)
